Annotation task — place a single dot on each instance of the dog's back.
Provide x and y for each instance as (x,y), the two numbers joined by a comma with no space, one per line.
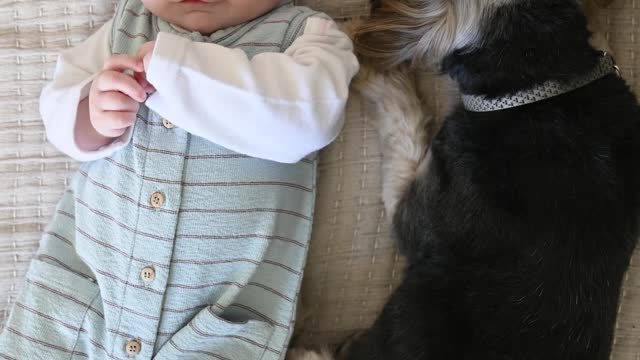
(539,220)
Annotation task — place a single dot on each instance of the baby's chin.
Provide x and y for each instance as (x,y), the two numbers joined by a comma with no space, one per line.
(205,29)
(202,23)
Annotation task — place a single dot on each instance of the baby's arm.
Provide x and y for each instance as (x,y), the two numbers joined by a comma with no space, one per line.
(276,106)
(88,127)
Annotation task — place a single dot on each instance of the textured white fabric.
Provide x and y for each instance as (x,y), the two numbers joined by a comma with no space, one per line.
(299,95)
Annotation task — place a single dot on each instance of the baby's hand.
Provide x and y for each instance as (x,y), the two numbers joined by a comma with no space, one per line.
(145,52)
(144,55)
(115,97)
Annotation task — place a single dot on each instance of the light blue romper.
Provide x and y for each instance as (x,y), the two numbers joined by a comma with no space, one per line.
(174,247)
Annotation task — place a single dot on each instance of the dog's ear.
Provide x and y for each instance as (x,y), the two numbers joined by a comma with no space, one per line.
(421,32)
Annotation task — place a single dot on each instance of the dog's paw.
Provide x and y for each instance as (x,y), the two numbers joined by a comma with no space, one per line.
(300,354)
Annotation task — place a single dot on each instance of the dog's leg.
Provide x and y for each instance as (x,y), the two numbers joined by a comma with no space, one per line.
(403,127)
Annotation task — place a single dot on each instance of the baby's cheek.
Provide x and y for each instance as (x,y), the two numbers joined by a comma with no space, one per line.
(159,8)
(253,9)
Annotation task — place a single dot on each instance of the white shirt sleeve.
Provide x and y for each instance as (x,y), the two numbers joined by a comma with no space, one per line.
(75,70)
(275,106)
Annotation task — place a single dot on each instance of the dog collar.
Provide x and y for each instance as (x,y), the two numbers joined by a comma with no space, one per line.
(544,91)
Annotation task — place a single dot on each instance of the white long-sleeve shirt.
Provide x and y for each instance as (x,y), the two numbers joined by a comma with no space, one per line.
(275,106)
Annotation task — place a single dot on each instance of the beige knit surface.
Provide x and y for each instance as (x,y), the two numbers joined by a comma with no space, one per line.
(352,266)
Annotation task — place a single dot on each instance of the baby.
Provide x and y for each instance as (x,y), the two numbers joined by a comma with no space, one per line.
(184,234)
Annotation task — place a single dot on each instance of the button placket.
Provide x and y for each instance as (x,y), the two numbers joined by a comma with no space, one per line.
(156,228)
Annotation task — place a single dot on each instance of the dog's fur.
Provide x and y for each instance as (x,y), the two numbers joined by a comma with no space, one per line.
(519,224)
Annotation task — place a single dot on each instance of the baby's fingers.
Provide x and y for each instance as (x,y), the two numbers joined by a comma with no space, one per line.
(116,81)
(116,101)
(121,120)
(114,123)
(122,62)
(142,80)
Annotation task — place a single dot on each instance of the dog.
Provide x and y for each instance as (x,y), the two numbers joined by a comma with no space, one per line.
(519,218)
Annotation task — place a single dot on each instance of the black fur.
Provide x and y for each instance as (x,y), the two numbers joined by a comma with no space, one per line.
(519,233)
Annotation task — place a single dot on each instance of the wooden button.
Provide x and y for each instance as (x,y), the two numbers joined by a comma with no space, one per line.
(168,124)
(148,274)
(133,348)
(157,199)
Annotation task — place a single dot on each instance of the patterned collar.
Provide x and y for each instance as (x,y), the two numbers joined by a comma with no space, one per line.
(544,91)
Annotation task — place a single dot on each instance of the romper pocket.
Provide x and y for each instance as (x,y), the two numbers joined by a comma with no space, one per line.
(214,337)
(47,317)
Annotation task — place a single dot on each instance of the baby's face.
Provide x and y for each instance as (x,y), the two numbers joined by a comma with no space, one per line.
(207,16)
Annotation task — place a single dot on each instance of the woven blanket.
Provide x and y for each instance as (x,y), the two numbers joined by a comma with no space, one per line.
(353,266)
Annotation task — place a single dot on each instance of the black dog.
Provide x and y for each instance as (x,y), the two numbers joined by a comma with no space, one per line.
(520,224)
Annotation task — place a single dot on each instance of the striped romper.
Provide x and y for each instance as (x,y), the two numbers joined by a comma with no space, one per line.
(172,247)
